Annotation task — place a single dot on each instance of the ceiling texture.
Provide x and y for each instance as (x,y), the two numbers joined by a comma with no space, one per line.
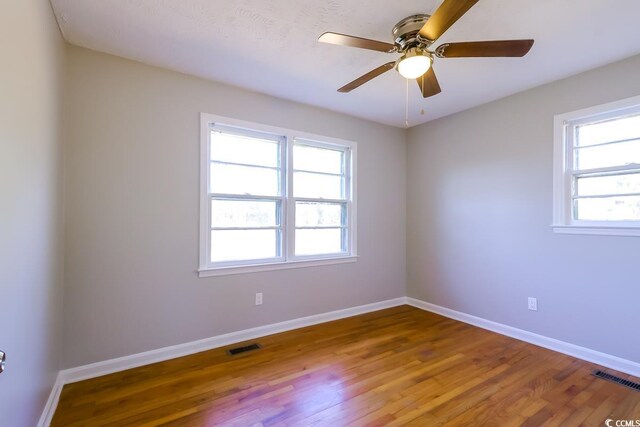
(271,46)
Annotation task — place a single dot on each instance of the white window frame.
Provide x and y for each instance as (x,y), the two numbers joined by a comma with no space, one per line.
(289,139)
(563,174)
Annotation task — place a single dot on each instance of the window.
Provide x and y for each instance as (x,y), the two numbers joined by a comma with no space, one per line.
(597,170)
(273,198)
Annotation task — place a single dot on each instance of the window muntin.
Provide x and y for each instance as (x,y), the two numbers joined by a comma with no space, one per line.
(598,182)
(605,169)
(274,198)
(320,188)
(245,188)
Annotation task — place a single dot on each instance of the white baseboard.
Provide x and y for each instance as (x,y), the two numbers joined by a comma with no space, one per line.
(52,403)
(105,367)
(135,360)
(597,357)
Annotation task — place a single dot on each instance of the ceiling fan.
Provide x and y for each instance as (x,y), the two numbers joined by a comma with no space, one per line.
(412,38)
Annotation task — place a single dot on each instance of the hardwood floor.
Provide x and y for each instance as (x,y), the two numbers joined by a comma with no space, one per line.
(400,366)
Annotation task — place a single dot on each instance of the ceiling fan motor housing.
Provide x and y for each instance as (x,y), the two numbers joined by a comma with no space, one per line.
(405,32)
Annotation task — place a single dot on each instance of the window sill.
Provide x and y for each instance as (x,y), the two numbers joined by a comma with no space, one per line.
(596,230)
(242,269)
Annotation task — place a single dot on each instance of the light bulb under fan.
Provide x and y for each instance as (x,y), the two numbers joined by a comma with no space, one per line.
(414,63)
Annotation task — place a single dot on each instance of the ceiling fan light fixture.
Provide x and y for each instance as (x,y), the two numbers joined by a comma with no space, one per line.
(413,37)
(414,63)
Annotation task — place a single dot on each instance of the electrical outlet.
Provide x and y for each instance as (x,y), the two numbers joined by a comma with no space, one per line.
(259,298)
(533,304)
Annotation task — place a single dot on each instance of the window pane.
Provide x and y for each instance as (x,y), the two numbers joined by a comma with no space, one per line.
(625,208)
(609,131)
(314,185)
(318,241)
(317,159)
(234,179)
(309,214)
(244,213)
(242,149)
(236,245)
(614,184)
(620,154)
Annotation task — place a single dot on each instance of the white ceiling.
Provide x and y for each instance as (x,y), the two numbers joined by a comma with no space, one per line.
(271,47)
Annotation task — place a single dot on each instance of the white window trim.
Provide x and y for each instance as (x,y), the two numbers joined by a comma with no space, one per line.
(563,221)
(206,269)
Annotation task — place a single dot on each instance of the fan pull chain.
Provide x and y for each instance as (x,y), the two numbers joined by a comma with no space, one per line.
(406,108)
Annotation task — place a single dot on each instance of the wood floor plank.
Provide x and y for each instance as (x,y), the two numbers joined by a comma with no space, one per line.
(400,366)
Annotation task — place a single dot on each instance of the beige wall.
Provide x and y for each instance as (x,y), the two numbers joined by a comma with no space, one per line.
(30,207)
(132,177)
(480,207)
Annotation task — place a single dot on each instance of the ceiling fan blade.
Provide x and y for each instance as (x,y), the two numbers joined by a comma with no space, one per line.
(428,83)
(353,41)
(444,17)
(498,48)
(370,75)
